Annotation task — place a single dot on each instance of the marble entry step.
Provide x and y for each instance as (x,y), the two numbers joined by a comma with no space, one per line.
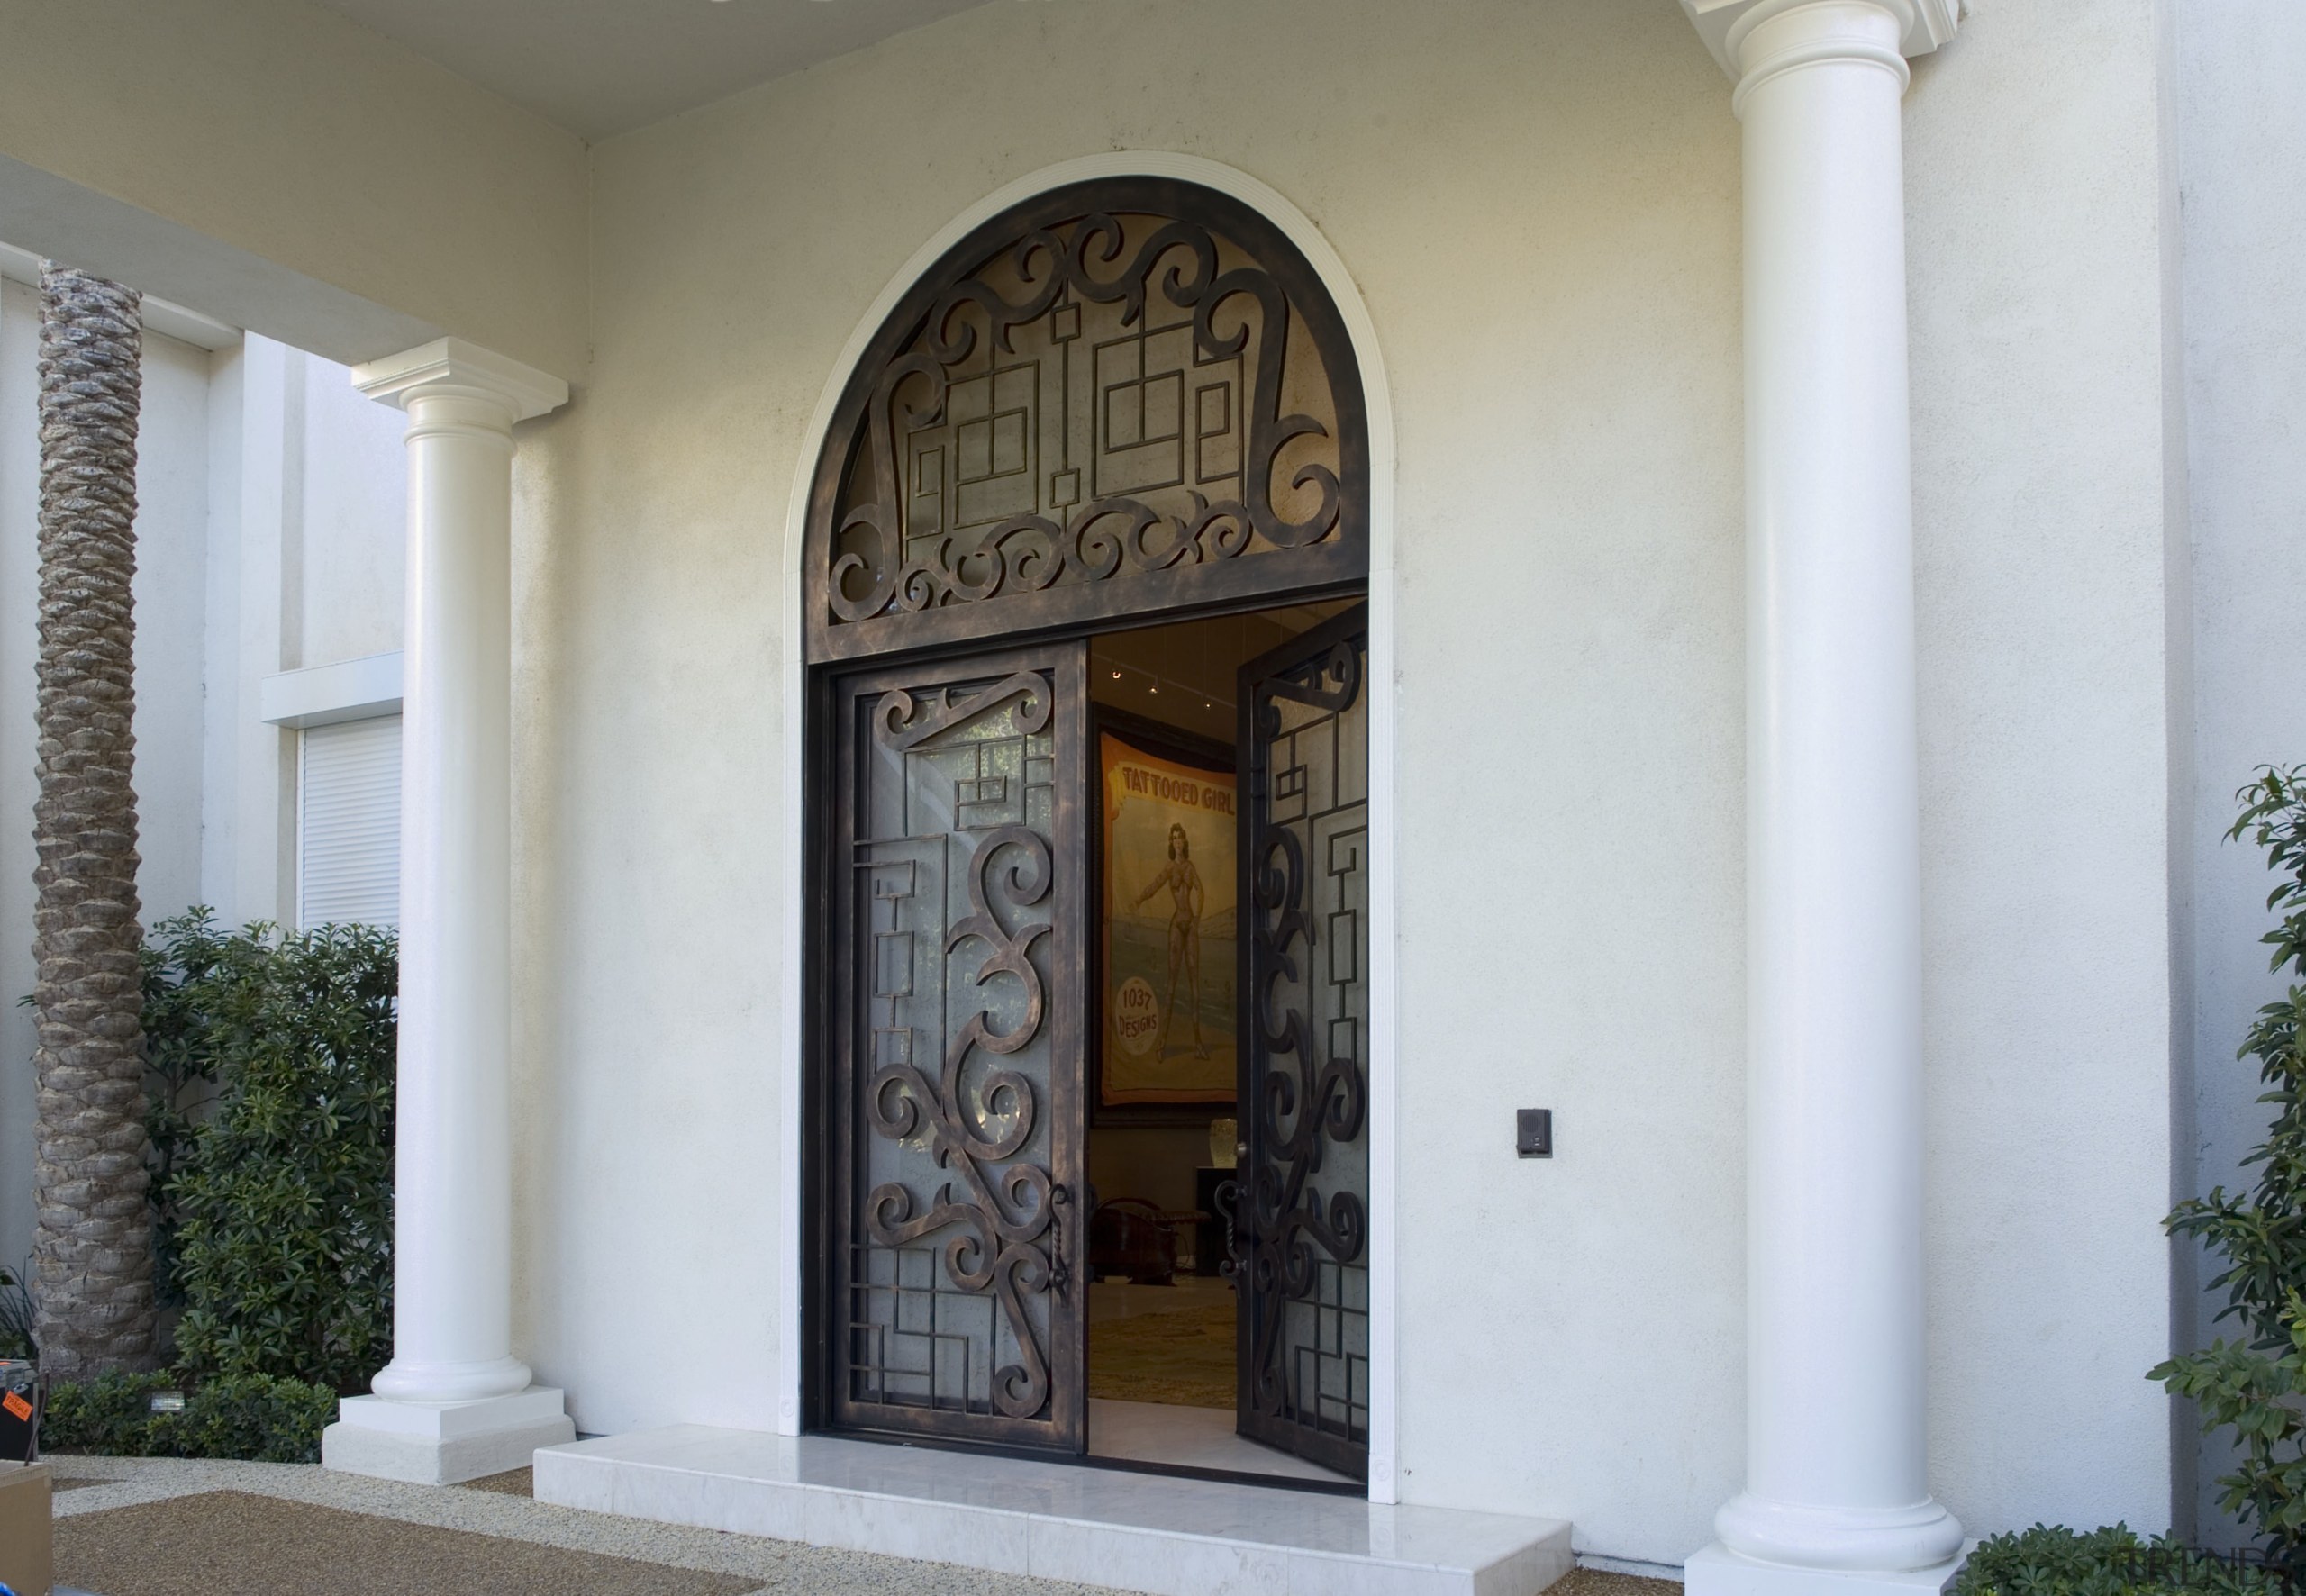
(1190,1438)
(1098,1527)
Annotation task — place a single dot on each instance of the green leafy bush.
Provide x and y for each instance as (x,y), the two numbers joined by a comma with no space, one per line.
(271,1116)
(250,1416)
(2251,1385)
(244,1416)
(2044,1560)
(276,1204)
(108,1415)
(181,960)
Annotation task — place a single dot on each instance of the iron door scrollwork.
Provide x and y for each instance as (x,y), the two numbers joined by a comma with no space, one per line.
(955,1038)
(1120,398)
(1301,1203)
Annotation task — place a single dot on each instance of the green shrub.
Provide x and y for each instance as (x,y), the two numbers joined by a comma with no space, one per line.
(271,1114)
(110,1414)
(181,960)
(2251,1385)
(2044,1560)
(250,1416)
(244,1416)
(278,1204)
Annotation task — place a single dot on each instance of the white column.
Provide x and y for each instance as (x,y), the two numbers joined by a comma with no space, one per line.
(1836,1476)
(454,1403)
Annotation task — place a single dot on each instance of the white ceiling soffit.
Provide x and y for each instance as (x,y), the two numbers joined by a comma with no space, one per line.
(22,266)
(599,67)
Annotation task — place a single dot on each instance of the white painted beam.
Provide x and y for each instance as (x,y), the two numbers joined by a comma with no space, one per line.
(161,315)
(323,695)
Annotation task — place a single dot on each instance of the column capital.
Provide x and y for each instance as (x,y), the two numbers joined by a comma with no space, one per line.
(1724,25)
(450,365)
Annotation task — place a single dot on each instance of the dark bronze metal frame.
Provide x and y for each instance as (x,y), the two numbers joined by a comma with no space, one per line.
(1297,1256)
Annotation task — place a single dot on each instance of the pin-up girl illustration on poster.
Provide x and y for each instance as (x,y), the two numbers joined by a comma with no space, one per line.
(1168,863)
(1186,897)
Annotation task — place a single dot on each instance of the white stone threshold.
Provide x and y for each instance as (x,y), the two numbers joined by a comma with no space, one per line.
(1154,1533)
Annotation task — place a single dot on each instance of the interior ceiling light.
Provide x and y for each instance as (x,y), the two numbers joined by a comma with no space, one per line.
(1154,682)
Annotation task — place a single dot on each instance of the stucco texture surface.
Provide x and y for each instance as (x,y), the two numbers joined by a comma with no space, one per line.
(272,130)
(1541,207)
(2242,141)
(2035,272)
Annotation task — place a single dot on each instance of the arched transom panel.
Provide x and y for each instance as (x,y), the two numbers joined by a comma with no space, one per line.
(1122,398)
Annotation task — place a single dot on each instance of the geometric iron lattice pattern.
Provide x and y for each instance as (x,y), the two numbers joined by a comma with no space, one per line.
(1091,410)
(1304,1192)
(957,1051)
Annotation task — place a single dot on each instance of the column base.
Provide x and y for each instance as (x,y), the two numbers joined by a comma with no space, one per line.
(444,1443)
(1717,1571)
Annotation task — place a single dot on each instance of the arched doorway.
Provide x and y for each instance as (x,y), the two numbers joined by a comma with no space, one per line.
(1119,412)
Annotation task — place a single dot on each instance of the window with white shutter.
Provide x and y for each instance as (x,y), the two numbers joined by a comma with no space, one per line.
(348,841)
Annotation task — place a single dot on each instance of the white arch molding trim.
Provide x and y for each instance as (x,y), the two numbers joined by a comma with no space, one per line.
(1377,398)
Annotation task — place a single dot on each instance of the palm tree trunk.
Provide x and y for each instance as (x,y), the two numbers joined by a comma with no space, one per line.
(94,1245)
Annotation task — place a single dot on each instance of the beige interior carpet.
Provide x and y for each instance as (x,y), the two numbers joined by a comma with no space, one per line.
(232,1542)
(1184,1358)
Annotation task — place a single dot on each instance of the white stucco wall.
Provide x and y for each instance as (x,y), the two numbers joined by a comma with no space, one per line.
(247,794)
(1540,206)
(170,593)
(353,480)
(2243,144)
(312,478)
(2035,283)
(287,170)
(19,751)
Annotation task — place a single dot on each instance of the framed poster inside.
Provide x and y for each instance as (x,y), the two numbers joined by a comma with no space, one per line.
(1166,975)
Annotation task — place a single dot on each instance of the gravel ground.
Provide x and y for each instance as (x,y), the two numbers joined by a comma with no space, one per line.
(519,1482)
(1595,1581)
(232,1542)
(173,1526)
(110,1542)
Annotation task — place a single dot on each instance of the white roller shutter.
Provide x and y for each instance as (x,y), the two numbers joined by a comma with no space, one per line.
(348,842)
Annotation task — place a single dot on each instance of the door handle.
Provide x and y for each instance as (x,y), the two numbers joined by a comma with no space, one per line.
(1229,1196)
(1060,1267)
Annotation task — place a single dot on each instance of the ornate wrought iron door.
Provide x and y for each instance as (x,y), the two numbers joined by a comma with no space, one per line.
(1304,1184)
(954,1234)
